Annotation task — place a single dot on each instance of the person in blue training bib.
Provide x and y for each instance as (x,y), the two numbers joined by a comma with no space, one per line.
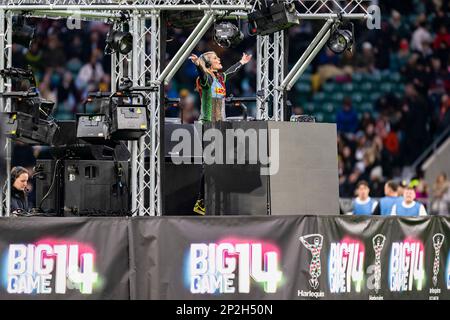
(363,204)
(391,197)
(408,207)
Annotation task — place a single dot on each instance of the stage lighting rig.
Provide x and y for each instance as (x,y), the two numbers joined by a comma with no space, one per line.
(272,17)
(23,34)
(227,34)
(342,37)
(119,41)
(30,118)
(117,116)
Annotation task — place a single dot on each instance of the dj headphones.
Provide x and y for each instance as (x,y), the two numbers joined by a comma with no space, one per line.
(16,172)
(207,63)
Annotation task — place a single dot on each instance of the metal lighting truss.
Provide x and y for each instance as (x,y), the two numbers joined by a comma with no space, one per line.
(271,84)
(144,64)
(5,104)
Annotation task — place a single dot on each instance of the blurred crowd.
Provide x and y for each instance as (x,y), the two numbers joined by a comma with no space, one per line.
(414,40)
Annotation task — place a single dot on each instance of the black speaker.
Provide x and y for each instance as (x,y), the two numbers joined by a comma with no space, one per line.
(176,134)
(95,187)
(66,134)
(237,189)
(181,189)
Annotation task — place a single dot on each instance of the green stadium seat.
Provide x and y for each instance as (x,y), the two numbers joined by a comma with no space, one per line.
(366,86)
(396,77)
(357,97)
(329,86)
(366,107)
(374,77)
(303,87)
(386,87)
(330,117)
(329,107)
(309,107)
(319,116)
(357,77)
(374,96)
(337,97)
(319,97)
(347,87)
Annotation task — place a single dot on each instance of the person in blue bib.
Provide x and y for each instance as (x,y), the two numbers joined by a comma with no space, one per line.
(363,204)
(408,207)
(391,197)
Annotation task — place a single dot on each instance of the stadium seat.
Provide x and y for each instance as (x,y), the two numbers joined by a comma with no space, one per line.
(357,97)
(329,107)
(337,97)
(309,107)
(319,97)
(366,107)
(347,87)
(329,86)
(366,87)
(357,77)
(395,76)
(319,116)
(386,87)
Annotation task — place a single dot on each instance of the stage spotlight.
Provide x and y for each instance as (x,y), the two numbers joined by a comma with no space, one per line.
(272,17)
(341,39)
(23,34)
(226,34)
(119,41)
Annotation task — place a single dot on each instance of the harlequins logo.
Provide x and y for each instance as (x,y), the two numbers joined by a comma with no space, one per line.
(313,242)
(378,244)
(438,239)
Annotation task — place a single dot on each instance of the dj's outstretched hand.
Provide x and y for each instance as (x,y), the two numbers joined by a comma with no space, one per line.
(245,58)
(195,60)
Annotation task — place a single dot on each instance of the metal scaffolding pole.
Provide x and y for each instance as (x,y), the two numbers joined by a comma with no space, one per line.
(301,62)
(278,74)
(6,62)
(140,7)
(262,77)
(181,55)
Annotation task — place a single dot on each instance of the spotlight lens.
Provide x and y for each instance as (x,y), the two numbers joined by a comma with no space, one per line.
(125,43)
(121,41)
(340,41)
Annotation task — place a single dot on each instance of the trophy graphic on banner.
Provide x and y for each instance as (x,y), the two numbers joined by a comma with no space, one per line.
(438,239)
(313,242)
(378,244)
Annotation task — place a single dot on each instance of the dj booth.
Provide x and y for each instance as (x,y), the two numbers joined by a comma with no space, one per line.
(302,175)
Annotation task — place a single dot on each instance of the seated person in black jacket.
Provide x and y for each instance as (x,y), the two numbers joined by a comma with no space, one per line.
(19,198)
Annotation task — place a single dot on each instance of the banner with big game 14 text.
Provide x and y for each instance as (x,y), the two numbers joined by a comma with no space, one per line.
(64,258)
(304,257)
(258,257)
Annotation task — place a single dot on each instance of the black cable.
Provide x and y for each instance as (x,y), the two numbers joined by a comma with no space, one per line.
(51,186)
